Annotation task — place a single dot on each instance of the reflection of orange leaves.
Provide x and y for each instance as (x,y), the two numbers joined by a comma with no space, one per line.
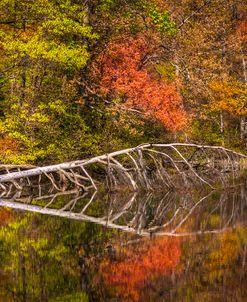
(141,266)
(5,216)
(28,34)
(124,75)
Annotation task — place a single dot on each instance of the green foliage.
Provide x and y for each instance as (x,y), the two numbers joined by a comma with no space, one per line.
(55,33)
(75,297)
(47,132)
(44,54)
(162,20)
(107,5)
(206,131)
(166,71)
(66,56)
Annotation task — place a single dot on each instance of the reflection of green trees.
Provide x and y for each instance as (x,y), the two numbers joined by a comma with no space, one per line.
(43,258)
(48,259)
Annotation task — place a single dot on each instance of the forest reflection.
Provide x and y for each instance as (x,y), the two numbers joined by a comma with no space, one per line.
(177,246)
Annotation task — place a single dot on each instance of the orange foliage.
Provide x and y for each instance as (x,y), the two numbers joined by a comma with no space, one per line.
(242,29)
(161,4)
(140,266)
(124,75)
(8,144)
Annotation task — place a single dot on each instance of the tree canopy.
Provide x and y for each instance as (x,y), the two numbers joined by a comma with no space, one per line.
(78,77)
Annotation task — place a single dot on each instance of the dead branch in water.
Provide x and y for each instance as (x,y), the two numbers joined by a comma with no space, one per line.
(147,166)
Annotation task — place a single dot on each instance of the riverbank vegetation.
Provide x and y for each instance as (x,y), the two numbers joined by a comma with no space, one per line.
(80,78)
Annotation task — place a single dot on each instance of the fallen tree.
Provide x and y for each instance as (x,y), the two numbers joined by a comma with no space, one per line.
(146,166)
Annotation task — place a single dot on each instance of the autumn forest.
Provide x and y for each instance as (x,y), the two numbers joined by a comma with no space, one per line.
(79,78)
(111,184)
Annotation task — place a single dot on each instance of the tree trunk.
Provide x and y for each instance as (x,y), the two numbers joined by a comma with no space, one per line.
(222,128)
(243,120)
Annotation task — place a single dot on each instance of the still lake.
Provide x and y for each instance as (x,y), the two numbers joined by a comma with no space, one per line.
(172,246)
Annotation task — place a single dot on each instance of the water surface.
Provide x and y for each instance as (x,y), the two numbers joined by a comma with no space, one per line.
(171,246)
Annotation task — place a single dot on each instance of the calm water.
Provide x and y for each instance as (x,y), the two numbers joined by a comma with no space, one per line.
(174,246)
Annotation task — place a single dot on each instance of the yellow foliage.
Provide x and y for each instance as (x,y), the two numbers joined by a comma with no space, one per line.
(228,95)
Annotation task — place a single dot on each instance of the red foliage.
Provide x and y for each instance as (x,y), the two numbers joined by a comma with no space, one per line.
(124,75)
(142,266)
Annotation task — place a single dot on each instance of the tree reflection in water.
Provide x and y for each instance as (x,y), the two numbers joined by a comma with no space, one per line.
(188,246)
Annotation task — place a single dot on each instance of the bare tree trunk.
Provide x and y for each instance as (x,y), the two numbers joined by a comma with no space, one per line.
(222,128)
(23,72)
(243,119)
(243,127)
